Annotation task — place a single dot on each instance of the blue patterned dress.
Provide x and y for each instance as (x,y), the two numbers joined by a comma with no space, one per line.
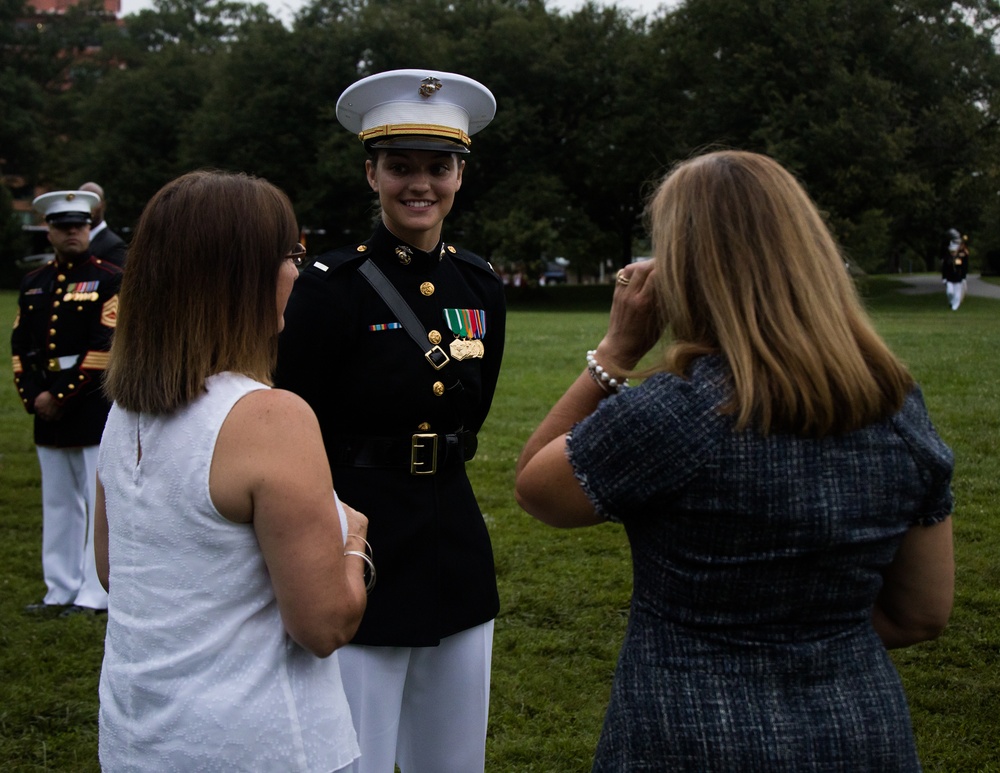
(756,563)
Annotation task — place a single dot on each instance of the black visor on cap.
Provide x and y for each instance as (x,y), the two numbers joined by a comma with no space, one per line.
(415,143)
(68,218)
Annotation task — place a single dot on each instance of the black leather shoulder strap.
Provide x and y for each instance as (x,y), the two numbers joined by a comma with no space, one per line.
(435,355)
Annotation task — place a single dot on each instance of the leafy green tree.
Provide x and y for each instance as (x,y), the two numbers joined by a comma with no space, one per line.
(886,110)
(12,241)
(136,152)
(569,128)
(22,141)
(270,112)
(883,108)
(155,72)
(41,59)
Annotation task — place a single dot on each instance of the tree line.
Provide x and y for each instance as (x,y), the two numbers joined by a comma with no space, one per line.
(885,109)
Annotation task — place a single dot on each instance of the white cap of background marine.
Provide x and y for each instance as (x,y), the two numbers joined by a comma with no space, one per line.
(66,206)
(416,110)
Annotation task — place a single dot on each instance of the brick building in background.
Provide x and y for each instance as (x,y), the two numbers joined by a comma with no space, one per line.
(111,7)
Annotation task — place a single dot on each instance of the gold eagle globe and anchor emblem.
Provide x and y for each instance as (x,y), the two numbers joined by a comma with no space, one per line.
(429,85)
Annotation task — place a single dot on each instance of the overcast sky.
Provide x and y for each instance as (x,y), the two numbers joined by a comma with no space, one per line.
(286,8)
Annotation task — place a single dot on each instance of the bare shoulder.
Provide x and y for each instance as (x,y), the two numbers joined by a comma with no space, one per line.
(264,428)
(267,423)
(263,410)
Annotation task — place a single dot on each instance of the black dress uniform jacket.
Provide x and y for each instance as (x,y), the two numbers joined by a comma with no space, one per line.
(62,334)
(955,268)
(373,390)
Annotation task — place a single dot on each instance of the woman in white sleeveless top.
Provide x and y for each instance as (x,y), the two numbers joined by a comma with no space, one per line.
(216,509)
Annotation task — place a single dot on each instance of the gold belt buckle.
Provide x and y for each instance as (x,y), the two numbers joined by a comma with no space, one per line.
(416,444)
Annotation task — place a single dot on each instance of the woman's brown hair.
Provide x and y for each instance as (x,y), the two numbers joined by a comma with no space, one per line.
(748,269)
(198,294)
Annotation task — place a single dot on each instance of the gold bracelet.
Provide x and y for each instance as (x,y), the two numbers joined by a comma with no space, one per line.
(370,582)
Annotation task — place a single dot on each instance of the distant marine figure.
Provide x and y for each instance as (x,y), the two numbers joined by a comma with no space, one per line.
(955,268)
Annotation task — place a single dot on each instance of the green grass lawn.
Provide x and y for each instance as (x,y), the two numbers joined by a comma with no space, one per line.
(565,594)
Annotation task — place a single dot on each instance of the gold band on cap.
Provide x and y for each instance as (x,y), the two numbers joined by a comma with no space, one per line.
(410,129)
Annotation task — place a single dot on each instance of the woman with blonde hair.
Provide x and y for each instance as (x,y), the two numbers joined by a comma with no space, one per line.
(216,510)
(785,495)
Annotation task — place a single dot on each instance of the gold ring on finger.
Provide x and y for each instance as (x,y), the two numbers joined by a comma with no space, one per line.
(621,278)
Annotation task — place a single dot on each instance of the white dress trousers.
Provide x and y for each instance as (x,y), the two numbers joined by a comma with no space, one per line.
(956,293)
(69,490)
(423,708)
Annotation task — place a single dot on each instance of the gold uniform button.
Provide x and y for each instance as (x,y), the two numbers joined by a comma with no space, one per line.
(438,388)
(52,346)
(55,304)
(362,248)
(427,289)
(71,386)
(61,277)
(434,337)
(52,331)
(82,377)
(451,249)
(55,317)
(79,308)
(60,395)
(423,426)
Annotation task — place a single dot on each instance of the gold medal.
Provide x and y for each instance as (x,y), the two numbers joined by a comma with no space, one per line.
(461,349)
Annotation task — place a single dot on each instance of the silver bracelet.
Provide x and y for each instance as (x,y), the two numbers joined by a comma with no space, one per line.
(367,546)
(370,582)
(601,377)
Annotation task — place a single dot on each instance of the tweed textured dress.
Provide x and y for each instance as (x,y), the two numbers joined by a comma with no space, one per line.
(756,563)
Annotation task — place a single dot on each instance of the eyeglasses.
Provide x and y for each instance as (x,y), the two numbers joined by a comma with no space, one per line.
(297,255)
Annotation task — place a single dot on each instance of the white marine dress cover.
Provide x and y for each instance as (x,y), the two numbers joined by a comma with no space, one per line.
(199,673)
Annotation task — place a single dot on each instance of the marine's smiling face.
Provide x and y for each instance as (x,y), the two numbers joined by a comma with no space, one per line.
(416,189)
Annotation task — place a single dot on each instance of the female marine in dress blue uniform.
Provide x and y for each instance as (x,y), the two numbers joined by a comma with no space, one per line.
(396,344)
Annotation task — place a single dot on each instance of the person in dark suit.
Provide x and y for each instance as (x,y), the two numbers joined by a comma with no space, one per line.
(396,344)
(105,244)
(67,311)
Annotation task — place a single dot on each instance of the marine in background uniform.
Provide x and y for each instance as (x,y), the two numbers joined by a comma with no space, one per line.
(399,406)
(66,315)
(955,268)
